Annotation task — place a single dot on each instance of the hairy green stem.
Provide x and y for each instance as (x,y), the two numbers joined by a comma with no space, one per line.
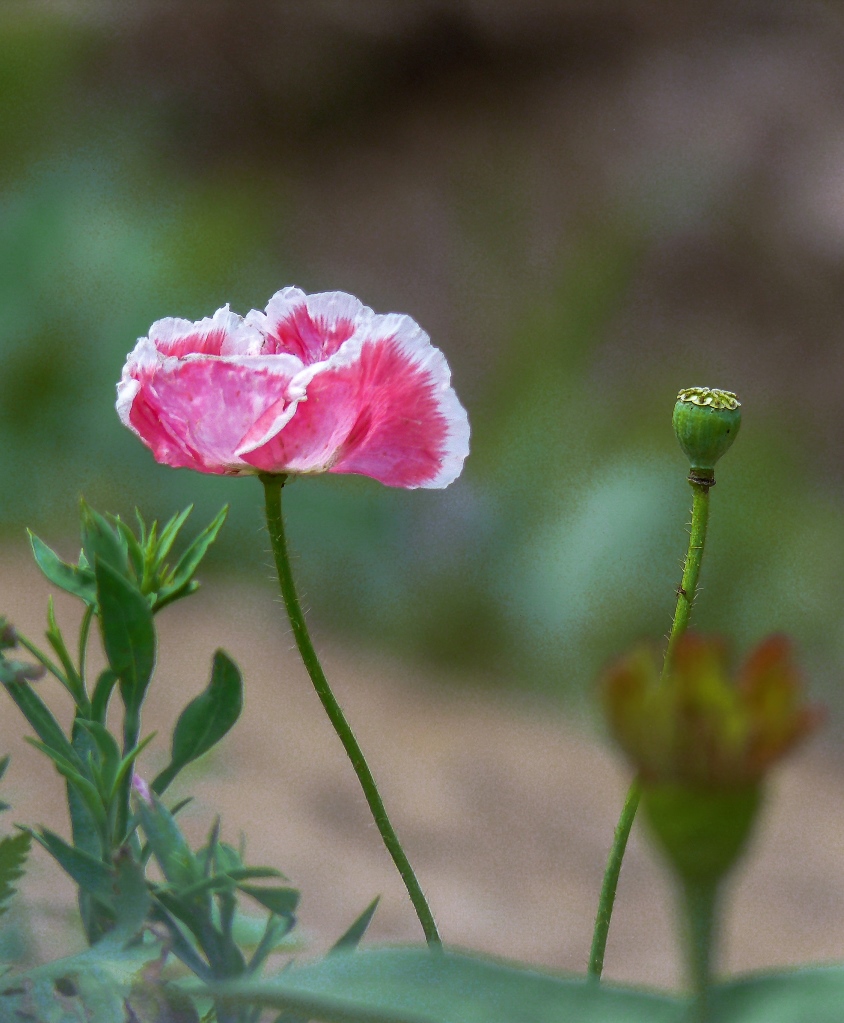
(275,524)
(682,612)
(606,900)
(691,570)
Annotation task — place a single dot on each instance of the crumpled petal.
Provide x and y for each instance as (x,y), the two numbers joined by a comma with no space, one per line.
(192,391)
(311,327)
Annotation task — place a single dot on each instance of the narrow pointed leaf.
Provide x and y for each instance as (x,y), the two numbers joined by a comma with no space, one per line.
(56,641)
(206,719)
(85,788)
(218,882)
(170,532)
(102,695)
(127,762)
(351,939)
(182,575)
(13,853)
(174,855)
(80,582)
(281,901)
(84,828)
(87,871)
(128,632)
(100,541)
(41,719)
(133,548)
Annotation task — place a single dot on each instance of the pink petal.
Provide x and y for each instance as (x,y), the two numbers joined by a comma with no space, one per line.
(322,421)
(224,333)
(412,431)
(383,407)
(195,414)
(312,327)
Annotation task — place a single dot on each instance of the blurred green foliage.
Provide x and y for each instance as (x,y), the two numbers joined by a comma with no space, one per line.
(561,542)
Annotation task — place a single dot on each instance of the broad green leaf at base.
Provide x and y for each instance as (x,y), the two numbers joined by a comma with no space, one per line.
(420,986)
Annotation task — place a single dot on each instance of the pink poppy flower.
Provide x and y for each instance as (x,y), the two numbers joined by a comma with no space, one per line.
(316,383)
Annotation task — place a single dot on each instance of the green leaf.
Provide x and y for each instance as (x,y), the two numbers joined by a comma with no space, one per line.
(418,986)
(100,541)
(84,829)
(127,762)
(174,855)
(85,788)
(351,938)
(170,532)
(90,873)
(205,720)
(78,581)
(13,853)
(41,719)
(128,633)
(103,984)
(56,641)
(107,750)
(102,695)
(228,880)
(281,901)
(133,549)
(131,899)
(178,583)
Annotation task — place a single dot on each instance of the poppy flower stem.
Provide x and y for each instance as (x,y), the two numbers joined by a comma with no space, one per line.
(682,612)
(275,524)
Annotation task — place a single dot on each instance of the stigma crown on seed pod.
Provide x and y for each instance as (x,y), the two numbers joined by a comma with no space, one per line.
(706,422)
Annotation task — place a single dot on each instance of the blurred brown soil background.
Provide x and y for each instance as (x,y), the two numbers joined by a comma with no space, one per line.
(505,808)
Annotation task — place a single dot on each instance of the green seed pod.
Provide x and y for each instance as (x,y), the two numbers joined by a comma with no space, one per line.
(706,422)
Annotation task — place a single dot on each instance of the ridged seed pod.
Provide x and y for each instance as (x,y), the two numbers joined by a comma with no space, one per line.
(706,422)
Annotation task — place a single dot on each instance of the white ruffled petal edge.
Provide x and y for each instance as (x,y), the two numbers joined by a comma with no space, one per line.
(415,343)
(327,306)
(240,338)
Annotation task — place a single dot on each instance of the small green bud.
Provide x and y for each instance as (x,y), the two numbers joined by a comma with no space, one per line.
(706,422)
(701,831)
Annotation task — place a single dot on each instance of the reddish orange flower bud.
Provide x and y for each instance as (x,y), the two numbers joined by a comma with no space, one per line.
(702,743)
(700,728)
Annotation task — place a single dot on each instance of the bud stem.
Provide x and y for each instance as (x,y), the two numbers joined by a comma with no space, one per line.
(275,525)
(691,568)
(682,612)
(700,900)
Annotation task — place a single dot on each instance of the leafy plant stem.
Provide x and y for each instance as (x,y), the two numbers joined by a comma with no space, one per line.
(682,612)
(272,490)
